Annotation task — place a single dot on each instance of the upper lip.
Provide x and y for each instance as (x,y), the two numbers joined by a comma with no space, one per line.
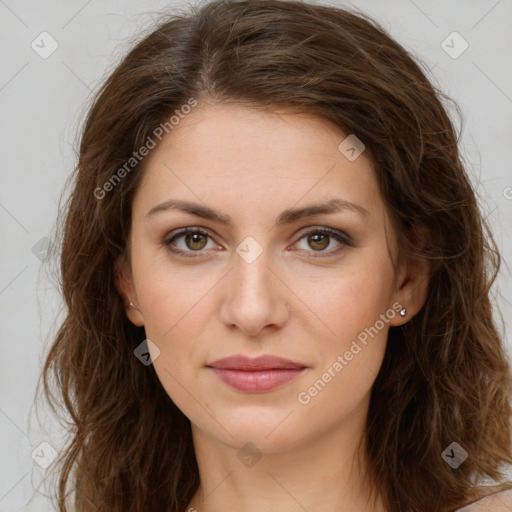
(265,362)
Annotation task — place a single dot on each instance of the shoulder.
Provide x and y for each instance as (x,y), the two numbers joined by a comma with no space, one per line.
(497,502)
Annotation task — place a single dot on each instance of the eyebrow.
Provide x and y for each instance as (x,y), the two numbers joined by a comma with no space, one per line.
(288,216)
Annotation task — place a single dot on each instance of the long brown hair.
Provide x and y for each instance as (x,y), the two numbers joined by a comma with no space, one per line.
(444,378)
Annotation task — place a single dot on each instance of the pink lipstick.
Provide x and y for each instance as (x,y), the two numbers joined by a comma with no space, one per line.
(255,375)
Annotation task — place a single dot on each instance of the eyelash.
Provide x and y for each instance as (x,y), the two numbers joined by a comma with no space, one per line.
(339,236)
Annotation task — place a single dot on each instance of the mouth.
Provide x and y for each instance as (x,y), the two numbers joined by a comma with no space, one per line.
(255,375)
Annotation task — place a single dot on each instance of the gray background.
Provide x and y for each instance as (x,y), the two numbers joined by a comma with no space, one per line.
(43,101)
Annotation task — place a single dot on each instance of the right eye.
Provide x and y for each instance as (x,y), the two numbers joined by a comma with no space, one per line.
(195,240)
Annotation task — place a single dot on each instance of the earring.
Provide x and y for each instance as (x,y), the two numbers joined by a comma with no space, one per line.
(132,304)
(403,312)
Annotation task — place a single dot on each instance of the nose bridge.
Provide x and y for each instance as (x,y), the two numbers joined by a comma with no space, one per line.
(252,273)
(253,300)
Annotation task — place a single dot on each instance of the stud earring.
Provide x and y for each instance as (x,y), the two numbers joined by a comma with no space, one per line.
(403,312)
(132,304)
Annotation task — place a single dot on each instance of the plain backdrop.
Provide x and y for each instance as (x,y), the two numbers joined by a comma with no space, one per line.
(42,102)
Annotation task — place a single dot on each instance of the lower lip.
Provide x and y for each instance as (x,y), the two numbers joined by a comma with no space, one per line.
(256,381)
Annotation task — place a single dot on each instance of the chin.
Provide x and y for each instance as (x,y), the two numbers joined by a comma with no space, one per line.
(264,429)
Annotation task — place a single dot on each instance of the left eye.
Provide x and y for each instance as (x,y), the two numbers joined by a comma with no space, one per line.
(196,239)
(319,239)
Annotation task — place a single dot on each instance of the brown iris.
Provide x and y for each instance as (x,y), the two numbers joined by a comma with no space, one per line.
(315,240)
(192,241)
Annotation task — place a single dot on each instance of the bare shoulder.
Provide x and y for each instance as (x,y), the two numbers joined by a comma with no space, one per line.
(497,502)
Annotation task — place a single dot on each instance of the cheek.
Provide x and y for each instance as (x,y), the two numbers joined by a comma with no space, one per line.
(355,306)
(347,301)
(169,295)
(175,312)
(350,359)
(174,319)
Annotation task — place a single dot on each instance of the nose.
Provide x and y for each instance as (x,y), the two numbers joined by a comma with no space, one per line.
(255,297)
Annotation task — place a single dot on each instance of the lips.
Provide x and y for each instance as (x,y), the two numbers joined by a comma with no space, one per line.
(256,363)
(258,374)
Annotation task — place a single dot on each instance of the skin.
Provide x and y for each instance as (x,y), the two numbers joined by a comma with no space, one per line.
(252,165)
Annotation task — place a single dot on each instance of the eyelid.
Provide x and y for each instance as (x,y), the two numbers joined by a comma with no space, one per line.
(343,238)
(326,229)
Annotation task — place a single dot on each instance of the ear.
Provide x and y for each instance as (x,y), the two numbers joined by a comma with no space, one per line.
(411,287)
(126,289)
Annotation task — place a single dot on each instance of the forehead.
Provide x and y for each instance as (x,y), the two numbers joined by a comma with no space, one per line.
(256,163)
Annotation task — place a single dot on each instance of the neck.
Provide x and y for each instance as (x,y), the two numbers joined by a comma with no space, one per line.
(322,473)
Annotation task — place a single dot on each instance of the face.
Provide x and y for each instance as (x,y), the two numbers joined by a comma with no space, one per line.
(252,278)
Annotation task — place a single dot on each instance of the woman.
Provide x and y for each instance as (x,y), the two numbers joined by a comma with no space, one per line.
(277,279)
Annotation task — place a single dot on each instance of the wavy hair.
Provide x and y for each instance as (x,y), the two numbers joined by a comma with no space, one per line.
(445,376)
